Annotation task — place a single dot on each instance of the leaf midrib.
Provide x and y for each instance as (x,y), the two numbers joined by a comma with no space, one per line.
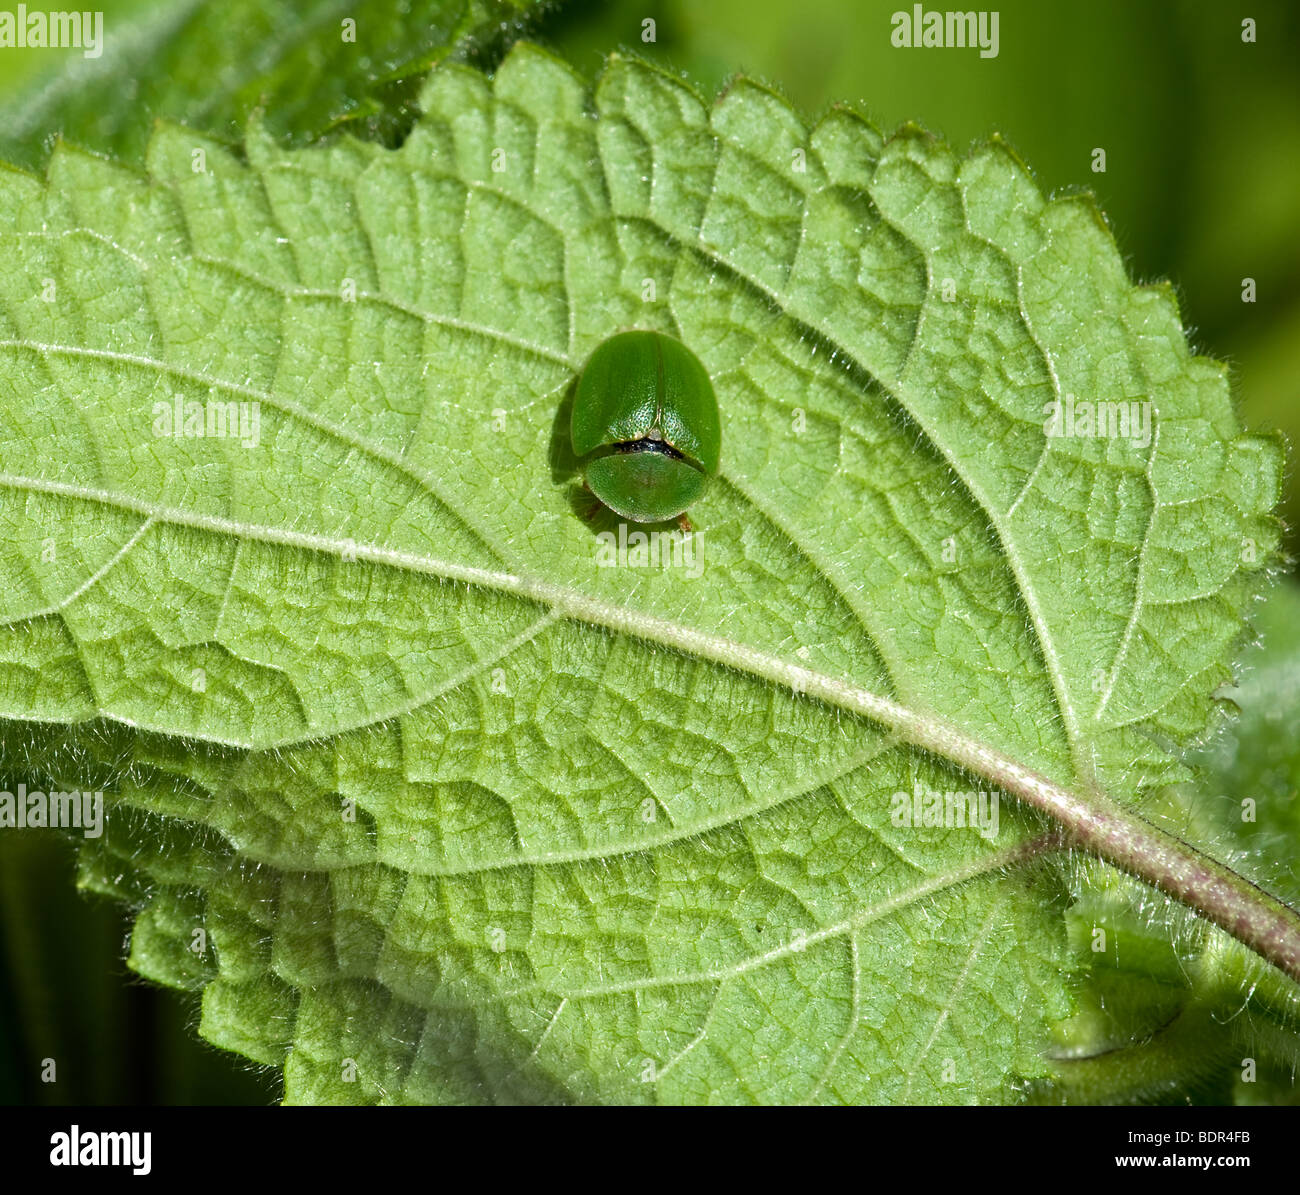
(564,600)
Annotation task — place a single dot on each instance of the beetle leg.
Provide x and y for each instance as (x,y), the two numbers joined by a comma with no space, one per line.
(684,523)
(594,509)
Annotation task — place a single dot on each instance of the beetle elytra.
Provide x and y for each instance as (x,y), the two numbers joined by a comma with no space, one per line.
(646,424)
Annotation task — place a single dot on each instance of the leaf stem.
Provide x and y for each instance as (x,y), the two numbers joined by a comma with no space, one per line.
(1125,839)
(1093,822)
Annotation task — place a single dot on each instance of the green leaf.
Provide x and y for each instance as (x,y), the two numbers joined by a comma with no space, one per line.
(312,67)
(464,815)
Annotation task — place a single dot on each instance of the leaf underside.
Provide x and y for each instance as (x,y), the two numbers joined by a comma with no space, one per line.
(448,844)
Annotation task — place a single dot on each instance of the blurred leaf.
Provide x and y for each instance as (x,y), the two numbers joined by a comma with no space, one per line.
(312,65)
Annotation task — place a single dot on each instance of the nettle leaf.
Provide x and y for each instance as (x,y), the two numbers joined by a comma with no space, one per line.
(431,804)
(311,65)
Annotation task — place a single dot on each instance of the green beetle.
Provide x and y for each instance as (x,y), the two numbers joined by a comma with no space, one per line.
(645,422)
